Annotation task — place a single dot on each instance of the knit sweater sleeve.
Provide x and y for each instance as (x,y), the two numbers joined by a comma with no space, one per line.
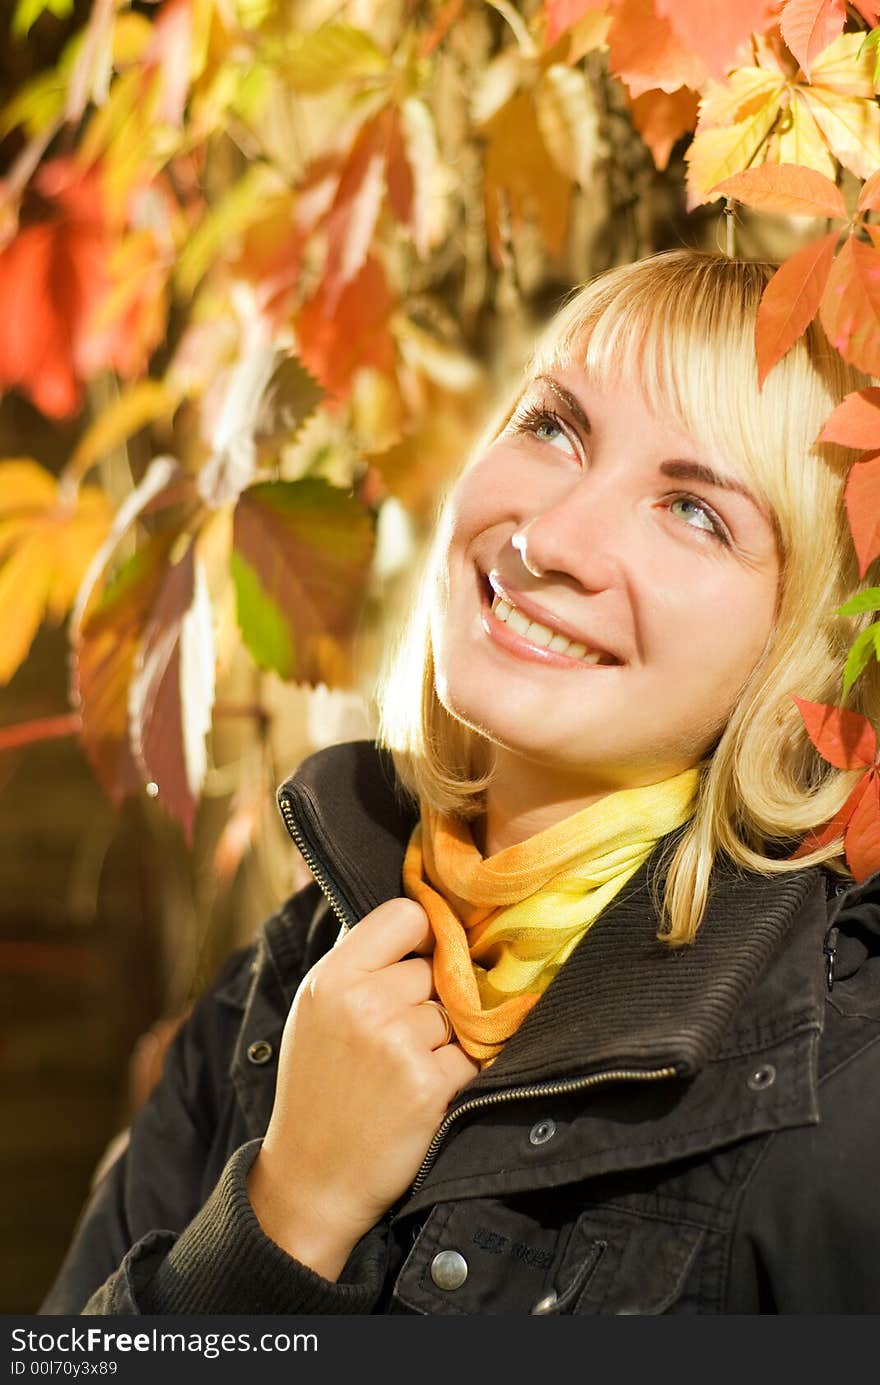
(223,1263)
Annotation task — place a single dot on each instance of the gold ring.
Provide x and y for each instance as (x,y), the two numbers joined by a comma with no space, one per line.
(450,1032)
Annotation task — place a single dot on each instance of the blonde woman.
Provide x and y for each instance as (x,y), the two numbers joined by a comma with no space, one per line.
(598,1044)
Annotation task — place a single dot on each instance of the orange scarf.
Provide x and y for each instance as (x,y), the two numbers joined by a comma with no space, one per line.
(504,925)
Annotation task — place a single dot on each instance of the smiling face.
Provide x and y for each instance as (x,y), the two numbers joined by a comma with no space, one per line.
(594,520)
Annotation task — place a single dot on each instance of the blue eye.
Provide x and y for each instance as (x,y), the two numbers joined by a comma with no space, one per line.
(711,526)
(544,425)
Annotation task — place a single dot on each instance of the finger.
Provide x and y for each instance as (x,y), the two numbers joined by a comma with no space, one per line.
(456,1066)
(428,1023)
(404,984)
(385,935)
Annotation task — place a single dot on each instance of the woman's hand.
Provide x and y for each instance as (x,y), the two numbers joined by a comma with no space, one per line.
(364,1079)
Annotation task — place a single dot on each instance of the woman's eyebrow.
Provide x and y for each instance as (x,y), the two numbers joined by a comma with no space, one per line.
(680,469)
(698,471)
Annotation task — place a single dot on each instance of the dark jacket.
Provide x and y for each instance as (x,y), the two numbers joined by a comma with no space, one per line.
(691,1130)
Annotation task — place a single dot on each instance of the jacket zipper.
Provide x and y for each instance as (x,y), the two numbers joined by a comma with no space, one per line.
(540,1089)
(344,915)
(572,1084)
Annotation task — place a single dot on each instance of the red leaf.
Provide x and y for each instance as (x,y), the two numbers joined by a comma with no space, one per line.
(789,189)
(714,29)
(808,26)
(790,301)
(661,118)
(869,10)
(836,826)
(562,14)
(869,197)
(172,690)
(333,344)
(862,840)
(850,309)
(855,422)
(845,739)
(862,500)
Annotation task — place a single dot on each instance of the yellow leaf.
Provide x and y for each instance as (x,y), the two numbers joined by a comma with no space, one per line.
(133,410)
(330,55)
(521,179)
(241,206)
(47,547)
(846,66)
(569,122)
(851,126)
(747,90)
(24,584)
(717,154)
(798,139)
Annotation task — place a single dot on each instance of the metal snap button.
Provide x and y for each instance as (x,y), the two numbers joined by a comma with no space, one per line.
(543,1131)
(260,1052)
(841,887)
(449,1269)
(761,1077)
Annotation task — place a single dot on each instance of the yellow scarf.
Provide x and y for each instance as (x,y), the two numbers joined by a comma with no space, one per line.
(504,925)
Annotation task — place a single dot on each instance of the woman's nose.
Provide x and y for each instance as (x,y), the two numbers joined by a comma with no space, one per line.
(580,538)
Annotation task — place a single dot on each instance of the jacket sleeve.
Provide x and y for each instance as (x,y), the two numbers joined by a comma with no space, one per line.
(808,1233)
(152,1239)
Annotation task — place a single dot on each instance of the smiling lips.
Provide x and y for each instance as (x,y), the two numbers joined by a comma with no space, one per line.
(540,636)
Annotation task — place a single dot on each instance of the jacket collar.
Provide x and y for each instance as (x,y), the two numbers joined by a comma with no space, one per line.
(623,999)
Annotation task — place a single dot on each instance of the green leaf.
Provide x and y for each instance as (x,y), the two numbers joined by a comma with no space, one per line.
(868,600)
(305,547)
(266,633)
(27,12)
(866,646)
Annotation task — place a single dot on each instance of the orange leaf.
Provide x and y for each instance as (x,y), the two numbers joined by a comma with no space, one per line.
(661,118)
(562,14)
(332,345)
(862,500)
(844,738)
(714,29)
(862,840)
(850,308)
(855,422)
(789,189)
(790,301)
(869,10)
(352,218)
(646,53)
(808,26)
(869,197)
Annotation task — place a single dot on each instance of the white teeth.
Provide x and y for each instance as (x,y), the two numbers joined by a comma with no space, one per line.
(542,634)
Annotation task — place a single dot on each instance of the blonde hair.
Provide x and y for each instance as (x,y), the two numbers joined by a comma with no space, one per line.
(681,326)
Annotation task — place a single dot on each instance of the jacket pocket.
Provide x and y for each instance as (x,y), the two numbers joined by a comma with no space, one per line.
(486,1257)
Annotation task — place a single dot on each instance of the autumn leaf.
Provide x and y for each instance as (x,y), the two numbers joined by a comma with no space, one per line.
(321,59)
(332,345)
(714,29)
(132,410)
(568,120)
(856,421)
(862,840)
(45,549)
(520,179)
(844,738)
(561,15)
(808,26)
(352,218)
(263,399)
(302,551)
(787,189)
(862,500)
(645,52)
(869,196)
(171,694)
(104,653)
(716,154)
(850,308)
(661,119)
(865,647)
(791,300)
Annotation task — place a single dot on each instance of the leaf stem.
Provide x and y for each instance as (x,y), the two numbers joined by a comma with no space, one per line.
(42,729)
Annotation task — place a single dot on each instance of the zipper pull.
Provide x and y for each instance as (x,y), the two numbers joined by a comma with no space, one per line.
(829,947)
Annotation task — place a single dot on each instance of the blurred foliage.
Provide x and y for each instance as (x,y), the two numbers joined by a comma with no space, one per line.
(273,257)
